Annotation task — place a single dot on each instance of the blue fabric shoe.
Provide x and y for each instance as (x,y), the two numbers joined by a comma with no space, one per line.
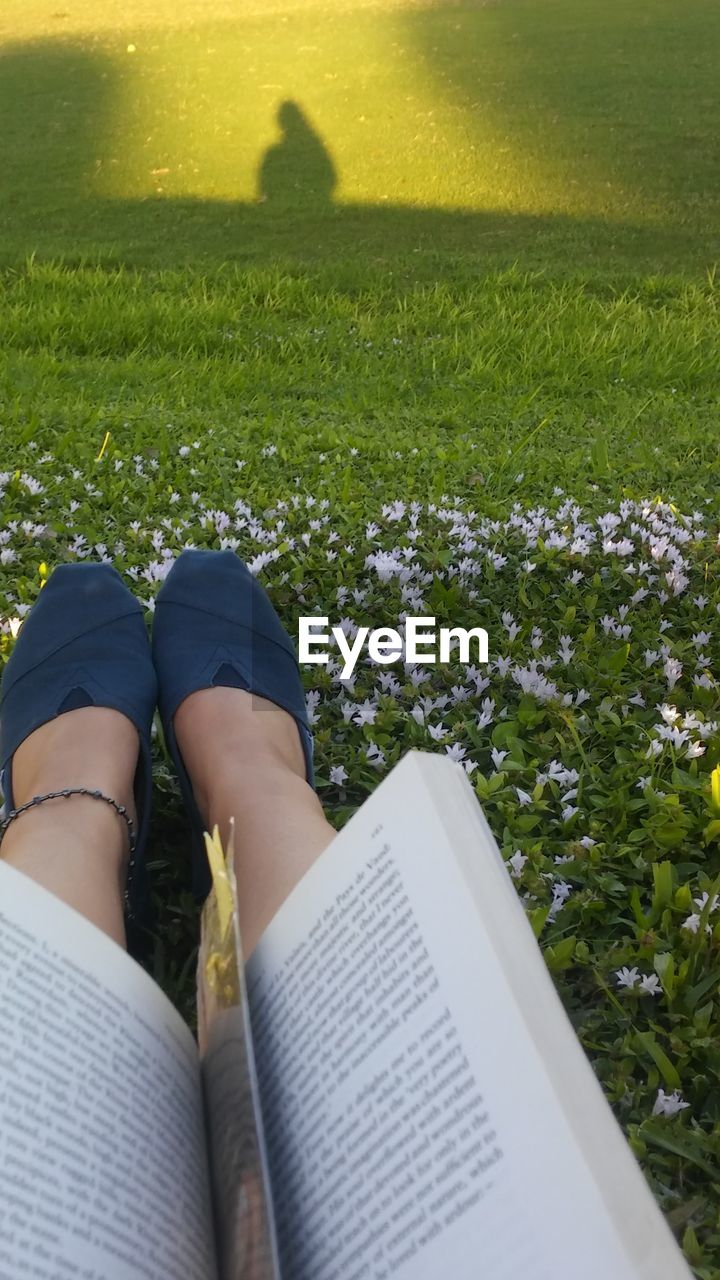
(83,643)
(215,625)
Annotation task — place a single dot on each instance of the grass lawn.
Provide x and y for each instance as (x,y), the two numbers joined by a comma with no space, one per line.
(414,303)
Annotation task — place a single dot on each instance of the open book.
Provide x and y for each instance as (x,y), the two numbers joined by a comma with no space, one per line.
(391,1089)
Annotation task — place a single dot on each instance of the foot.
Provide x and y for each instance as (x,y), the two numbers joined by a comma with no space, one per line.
(223,732)
(245,760)
(94,747)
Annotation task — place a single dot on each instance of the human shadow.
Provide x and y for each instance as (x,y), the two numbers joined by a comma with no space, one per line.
(59,106)
(298,164)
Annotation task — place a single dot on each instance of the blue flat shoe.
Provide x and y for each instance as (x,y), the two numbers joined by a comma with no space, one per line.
(83,643)
(215,625)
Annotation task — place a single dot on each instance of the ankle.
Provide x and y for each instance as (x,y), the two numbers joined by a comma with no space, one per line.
(93,747)
(245,781)
(81,825)
(231,740)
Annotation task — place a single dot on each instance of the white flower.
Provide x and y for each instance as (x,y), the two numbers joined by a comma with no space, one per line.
(694,750)
(692,923)
(531,681)
(561,892)
(569,811)
(510,625)
(311,701)
(678,737)
(374,755)
(650,985)
(497,757)
(365,713)
(437,731)
(690,721)
(338,774)
(673,671)
(456,752)
(523,796)
(627,977)
(668,1104)
(516,864)
(702,901)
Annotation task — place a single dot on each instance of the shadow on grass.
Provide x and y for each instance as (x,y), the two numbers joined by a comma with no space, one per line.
(58,119)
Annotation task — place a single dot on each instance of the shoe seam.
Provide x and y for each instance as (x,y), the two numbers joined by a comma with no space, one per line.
(287,645)
(73,639)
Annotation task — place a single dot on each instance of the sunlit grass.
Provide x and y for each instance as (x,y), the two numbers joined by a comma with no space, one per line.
(513,108)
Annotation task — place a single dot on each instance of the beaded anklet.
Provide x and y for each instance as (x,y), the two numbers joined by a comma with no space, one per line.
(81,791)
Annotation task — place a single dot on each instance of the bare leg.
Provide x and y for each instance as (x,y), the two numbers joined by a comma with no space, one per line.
(244,758)
(77,847)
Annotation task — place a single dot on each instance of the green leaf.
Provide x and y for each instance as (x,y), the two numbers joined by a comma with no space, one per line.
(618,659)
(537,918)
(599,457)
(559,956)
(696,993)
(691,1247)
(670,835)
(646,1042)
(678,1144)
(482,789)
(527,822)
(641,919)
(663,886)
(665,969)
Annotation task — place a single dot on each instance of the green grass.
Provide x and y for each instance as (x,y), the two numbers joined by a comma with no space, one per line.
(532,373)
(572,138)
(482,269)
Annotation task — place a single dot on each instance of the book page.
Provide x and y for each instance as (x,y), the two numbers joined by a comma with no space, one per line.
(413,1129)
(244,1230)
(103,1167)
(245,1241)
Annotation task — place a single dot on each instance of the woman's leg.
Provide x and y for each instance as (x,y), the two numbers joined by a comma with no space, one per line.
(244,757)
(77,847)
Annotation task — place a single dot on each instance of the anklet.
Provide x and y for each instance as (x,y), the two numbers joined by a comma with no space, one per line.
(72,791)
